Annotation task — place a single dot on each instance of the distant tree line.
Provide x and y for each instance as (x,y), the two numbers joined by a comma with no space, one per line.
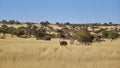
(58,23)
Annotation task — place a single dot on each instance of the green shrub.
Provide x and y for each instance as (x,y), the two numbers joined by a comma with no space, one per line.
(83,36)
(110,35)
(113,35)
(41,32)
(19,32)
(59,31)
(105,34)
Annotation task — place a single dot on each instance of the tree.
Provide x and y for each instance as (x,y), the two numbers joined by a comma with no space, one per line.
(57,23)
(11,30)
(67,23)
(105,24)
(17,22)
(3,29)
(45,24)
(12,22)
(4,21)
(29,23)
(110,23)
(83,36)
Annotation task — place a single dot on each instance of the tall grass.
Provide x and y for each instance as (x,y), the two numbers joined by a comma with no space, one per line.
(29,53)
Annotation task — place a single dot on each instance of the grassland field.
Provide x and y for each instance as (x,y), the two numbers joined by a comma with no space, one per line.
(31,53)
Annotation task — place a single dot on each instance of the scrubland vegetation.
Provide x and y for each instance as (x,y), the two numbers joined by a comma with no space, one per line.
(30,45)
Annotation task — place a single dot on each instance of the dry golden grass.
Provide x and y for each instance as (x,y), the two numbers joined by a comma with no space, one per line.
(31,53)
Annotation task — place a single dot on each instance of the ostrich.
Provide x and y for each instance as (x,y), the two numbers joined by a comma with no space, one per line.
(63,43)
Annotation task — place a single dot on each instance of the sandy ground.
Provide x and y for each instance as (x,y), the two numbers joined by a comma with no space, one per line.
(31,53)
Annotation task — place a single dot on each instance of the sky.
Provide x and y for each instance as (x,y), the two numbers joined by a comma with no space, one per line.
(73,11)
